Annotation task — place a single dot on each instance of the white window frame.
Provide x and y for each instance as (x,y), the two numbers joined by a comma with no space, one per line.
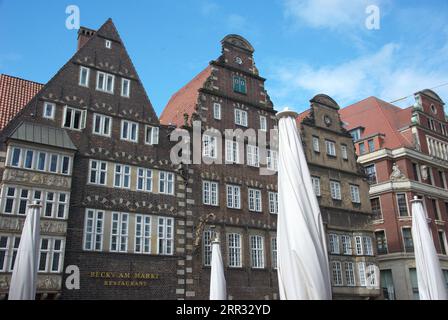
(97,170)
(209,146)
(346,244)
(273,202)
(82,118)
(103,86)
(241,117)
(316,144)
(359,248)
(50,252)
(355,194)
(108,44)
(233,196)
(123,93)
(165,236)
(234,245)
(316,185)
(232,152)
(336,268)
(151,135)
(253,156)
(53,108)
(119,234)
(207,248)
(344,152)
(102,125)
(210,193)
(255,200)
(146,176)
(97,231)
(167,180)
(335,188)
(263,123)
(362,274)
(122,175)
(217,111)
(274,253)
(257,252)
(334,243)
(143,234)
(272,160)
(126,135)
(330,147)
(367,245)
(349,273)
(81,69)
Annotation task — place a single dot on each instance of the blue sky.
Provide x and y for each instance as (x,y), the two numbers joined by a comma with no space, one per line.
(303,47)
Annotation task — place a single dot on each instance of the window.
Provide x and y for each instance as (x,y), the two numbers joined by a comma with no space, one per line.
(402,204)
(371,145)
(101,125)
(253,156)
(407,240)
(387,284)
(4,248)
(255,200)
(217,111)
(119,232)
(381,242)
(125,87)
(358,246)
(23,201)
(362,274)
(142,234)
(122,176)
(241,117)
(346,244)
(316,144)
(51,254)
(41,159)
(435,209)
(65,168)
(416,171)
(274,252)
(98,172)
(207,248)
(15,157)
(165,236)
(344,152)
(210,193)
(367,244)
(257,252)
(430,177)
(108,44)
(263,123)
(49,204)
(442,178)
(273,202)
(316,185)
(93,230)
(354,193)
(414,283)
(337,273)
(129,131)
(442,241)
(334,243)
(54,159)
(234,244)
(209,146)
(105,82)
(371,173)
(84,74)
(331,148)
(239,84)
(272,160)
(232,152)
(74,119)
(356,134)
(9,199)
(335,188)
(166,182)
(151,135)
(376,208)
(233,197)
(144,179)
(62,206)
(29,158)
(349,274)
(49,109)
(362,148)
(15,248)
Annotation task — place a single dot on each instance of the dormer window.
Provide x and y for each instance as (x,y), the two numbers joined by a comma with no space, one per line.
(239,85)
(108,44)
(356,134)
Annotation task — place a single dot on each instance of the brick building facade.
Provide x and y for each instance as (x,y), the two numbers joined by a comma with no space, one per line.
(404,153)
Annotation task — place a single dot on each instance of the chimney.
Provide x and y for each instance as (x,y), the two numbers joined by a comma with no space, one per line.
(84,34)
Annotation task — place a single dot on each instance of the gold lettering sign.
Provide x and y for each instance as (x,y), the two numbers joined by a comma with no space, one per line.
(124,279)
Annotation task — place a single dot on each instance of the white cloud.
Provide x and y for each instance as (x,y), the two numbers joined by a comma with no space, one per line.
(388,74)
(236,22)
(333,14)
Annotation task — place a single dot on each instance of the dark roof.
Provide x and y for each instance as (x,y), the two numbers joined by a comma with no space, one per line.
(15,93)
(36,133)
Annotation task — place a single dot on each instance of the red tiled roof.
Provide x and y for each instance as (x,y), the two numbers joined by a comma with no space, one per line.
(302,116)
(15,93)
(379,117)
(184,100)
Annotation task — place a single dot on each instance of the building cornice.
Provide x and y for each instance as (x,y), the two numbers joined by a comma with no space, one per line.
(407,185)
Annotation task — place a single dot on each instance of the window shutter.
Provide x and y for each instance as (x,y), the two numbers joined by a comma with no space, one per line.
(155,135)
